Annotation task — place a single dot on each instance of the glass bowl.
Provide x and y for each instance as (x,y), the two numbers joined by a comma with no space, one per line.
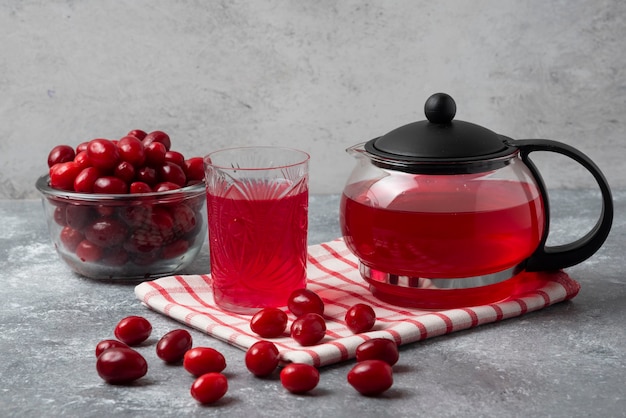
(126,236)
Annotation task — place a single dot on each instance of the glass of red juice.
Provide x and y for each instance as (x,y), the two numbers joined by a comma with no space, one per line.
(257,205)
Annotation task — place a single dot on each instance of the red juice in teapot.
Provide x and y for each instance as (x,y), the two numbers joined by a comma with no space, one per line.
(258,247)
(442,229)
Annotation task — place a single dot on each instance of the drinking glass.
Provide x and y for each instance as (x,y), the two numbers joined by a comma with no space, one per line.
(257,204)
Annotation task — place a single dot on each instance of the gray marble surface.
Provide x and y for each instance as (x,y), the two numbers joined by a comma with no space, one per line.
(568,360)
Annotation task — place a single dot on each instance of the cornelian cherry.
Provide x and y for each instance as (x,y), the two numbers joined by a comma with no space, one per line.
(194,168)
(378,349)
(110,185)
(269,322)
(131,150)
(299,377)
(139,187)
(62,175)
(88,252)
(360,318)
(201,360)
(158,136)
(371,377)
(119,365)
(133,330)
(60,154)
(102,153)
(209,388)
(173,345)
(302,301)
(106,344)
(262,358)
(308,329)
(155,153)
(124,171)
(137,133)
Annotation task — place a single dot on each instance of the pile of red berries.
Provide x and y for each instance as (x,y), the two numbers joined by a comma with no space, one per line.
(137,163)
(105,237)
(372,375)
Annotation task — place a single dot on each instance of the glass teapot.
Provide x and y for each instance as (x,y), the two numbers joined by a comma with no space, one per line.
(443,213)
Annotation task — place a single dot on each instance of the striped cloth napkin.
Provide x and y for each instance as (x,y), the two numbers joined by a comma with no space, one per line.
(333,274)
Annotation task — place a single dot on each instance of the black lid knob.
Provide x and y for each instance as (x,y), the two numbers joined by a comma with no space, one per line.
(440,108)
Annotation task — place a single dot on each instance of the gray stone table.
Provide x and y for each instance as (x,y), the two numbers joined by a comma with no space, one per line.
(568,360)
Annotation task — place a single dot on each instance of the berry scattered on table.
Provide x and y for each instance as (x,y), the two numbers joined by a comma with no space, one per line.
(371,377)
(119,365)
(303,301)
(262,358)
(360,318)
(269,322)
(133,330)
(202,360)
(308,329)
(209,388)
(172,346)
(378,349)
(299,377)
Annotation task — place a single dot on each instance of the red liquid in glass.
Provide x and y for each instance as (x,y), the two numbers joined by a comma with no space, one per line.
(442,230)
(258,249)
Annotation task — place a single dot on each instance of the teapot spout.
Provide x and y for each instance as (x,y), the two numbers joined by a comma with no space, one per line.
(357,150)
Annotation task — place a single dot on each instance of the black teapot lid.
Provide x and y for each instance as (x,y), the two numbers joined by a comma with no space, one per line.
(439,143)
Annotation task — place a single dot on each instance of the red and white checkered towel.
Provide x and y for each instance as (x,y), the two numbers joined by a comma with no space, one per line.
(333,274)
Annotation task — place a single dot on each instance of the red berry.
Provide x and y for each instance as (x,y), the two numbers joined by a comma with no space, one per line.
(62,175)
(201,360)
(209,388)
(82,159)
(133,330)
(106,344)
(360,318)
(82,147)
(106,232)
(103,153)
(185,219)
(262,358)
(139,187)
(308,329)
(269,322)
(194,168)
(88,252)
(124,171)
(176,158)
(371,377)
(170,172)
(131,150)
(302,301)
(84,181)
(137,133)
(60,154)
(70,238)
(146,175)
(299,377)
(155,153)
(110,185)
(378,349)
(166,186)
(160,137)
(121,365)
(173,345)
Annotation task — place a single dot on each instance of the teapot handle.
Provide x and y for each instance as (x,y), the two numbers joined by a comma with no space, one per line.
(561,256)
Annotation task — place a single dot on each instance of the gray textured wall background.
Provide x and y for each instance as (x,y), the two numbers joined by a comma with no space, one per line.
(317,75)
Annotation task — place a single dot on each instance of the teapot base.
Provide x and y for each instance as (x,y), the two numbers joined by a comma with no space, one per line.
(424,293)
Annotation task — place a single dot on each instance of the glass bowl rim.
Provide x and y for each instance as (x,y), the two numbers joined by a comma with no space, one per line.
(43,185)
